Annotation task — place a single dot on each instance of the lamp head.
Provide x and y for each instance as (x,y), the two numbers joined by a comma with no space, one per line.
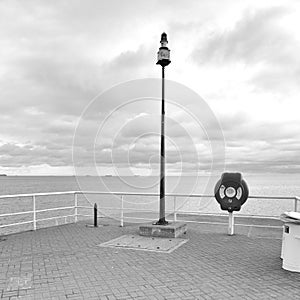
(163,39)
(163,54)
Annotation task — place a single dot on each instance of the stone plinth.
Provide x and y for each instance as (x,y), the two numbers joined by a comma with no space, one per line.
(172,230)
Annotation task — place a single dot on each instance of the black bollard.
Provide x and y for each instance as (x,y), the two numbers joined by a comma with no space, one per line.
(95,215)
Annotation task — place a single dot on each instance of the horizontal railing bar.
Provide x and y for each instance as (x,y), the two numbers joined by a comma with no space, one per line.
(87,207)
(256,216)
(99,216)
(137,218)
(86,215)
(130,209)
(140,194)
(191,213)
(223,215)
(186,212)
(238,215)
(143,210)
(179,195)
(117,193)
(197,213)
(17,213)
(109,208)
(15,224)
(258,226)
(273,197)
(143,194)
(213,223)
(203,222)
(38,194)
(52,218)
(236,224)
(56,208)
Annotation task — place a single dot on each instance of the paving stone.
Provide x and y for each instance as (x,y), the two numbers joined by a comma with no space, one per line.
(65,262)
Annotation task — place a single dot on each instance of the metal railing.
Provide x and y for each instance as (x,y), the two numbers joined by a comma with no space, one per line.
(75,207)
(34,211)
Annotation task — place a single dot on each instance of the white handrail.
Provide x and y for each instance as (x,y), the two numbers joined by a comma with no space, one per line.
(183,195)
(14,224)
(55,208)
(17,213)
(142,194)
(37,194)
(121,195)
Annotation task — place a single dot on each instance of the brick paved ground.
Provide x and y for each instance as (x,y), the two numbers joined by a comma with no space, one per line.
(65,263)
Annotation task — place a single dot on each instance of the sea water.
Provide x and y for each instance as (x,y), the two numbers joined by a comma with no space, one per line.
(259,185)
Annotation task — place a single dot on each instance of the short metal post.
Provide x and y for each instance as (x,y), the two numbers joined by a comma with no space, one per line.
(75,207)
(231,224)
(296,204)
(122,212)
(34,212)
(95,215)
(175,214)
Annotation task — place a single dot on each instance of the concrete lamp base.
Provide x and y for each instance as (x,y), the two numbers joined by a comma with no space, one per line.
(172,230)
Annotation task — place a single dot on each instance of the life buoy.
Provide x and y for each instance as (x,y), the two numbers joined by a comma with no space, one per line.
(231,191)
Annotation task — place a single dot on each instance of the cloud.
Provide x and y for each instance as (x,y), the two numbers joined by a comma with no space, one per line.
(264,147)
(253,39)
(56,57)
(54,60)
(16,156)
(261,43)
(128,133)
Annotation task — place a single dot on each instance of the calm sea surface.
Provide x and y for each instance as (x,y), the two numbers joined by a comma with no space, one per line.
(272,185)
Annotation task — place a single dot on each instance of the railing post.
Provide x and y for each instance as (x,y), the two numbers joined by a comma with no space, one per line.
(122,211)
(231,224)
(75,207)
(95,215)
(175,214)
(296,204)
(34,212)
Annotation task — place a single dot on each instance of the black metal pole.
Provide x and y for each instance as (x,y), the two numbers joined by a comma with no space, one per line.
(162,219)
(95,215)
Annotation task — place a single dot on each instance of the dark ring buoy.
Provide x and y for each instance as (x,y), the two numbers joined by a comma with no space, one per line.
(231,191)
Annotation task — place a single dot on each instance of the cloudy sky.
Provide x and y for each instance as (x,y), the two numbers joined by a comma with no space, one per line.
(75,93)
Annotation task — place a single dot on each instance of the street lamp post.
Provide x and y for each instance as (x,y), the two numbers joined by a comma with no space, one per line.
(163,59)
